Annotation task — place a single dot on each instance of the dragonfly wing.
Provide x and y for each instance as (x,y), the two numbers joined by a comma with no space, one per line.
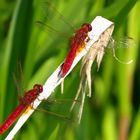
(121,43)
(45,27)
(52,17)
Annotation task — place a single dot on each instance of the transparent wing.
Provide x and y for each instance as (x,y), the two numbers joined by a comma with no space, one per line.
(48,29)
(52,20)
(57,107)
(53,12)
(63,117)
(18,78)
(121,45)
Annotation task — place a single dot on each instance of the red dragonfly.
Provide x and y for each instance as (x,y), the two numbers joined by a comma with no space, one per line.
(25,102)
(77,43)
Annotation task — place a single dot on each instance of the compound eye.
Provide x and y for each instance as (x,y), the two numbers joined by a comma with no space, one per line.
(89,27)
(38,87)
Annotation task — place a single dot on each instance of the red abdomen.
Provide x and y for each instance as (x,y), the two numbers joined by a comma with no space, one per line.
(69,60)
(77,42)
(12,118)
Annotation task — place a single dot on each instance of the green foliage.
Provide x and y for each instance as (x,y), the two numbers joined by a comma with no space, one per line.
(113,112)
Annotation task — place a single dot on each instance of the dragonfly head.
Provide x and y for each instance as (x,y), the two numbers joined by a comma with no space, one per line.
(87,27)
(38,88)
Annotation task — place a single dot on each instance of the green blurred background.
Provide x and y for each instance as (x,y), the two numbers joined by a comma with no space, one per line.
(113,112)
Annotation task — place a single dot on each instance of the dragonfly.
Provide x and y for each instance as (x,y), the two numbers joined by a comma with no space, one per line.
(76,41)
(25,102)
